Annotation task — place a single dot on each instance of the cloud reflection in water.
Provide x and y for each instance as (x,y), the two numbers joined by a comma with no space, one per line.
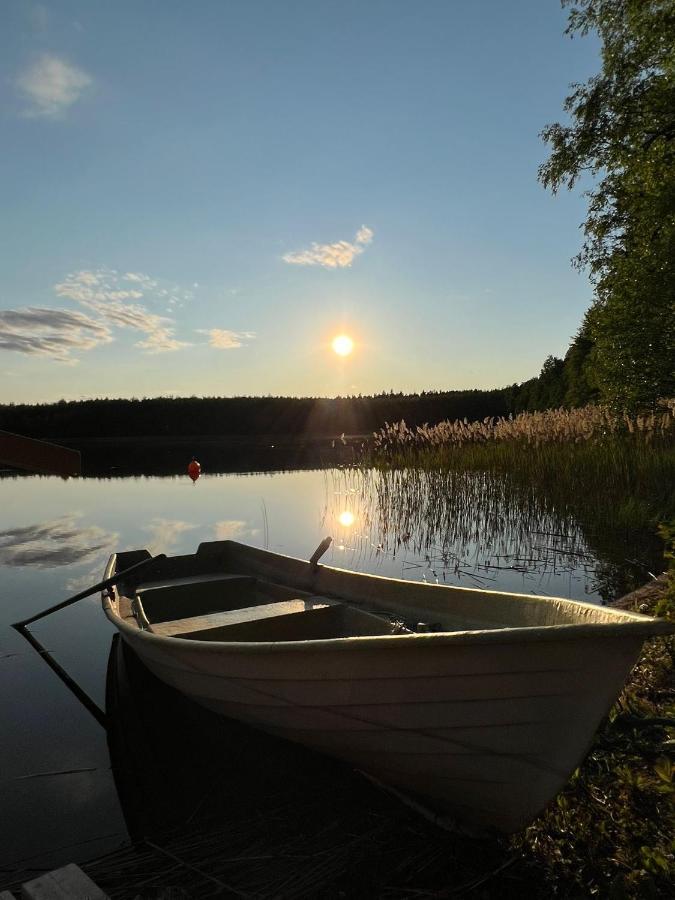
(59,542)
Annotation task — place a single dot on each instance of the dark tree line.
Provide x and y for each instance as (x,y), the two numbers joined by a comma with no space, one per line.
(560,383)
(235,416)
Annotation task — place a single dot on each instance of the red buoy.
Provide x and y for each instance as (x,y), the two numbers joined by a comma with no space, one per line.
(194,470)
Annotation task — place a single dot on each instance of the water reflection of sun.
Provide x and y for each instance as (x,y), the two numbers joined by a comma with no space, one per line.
(346,518)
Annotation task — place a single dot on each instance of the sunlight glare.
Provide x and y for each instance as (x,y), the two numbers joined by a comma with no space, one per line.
(346,518)
(343,344)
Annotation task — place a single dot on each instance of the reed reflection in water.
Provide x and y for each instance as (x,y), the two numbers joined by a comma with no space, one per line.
(472,528)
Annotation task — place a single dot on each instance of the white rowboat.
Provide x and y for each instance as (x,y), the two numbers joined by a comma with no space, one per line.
(479,703)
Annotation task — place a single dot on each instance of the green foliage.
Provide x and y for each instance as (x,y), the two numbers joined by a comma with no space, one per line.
(579,377)
(622,132)
(666,605)
(561,382)
(548,390)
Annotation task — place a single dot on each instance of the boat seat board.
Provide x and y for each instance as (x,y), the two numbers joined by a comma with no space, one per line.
(186,598)
(239,616)
(292,621)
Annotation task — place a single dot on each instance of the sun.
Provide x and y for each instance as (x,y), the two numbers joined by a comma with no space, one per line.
(346,518)
(342,345)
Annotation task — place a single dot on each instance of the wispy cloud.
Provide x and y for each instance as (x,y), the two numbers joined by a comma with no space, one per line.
(51,85)
(140,278)
(107,293)
(339,255)
(364,235)
(102,285)
(55,333)
(222,339)
(112,300)
(161,340)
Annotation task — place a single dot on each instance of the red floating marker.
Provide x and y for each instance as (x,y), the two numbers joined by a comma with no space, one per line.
(194,470)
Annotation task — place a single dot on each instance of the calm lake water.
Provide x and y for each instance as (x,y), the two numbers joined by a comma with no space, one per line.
(58,800)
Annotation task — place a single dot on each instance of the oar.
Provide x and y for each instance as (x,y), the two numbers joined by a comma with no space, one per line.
(101,586)
(72,685)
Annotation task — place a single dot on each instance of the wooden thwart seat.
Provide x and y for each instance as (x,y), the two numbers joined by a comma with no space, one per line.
(224,619)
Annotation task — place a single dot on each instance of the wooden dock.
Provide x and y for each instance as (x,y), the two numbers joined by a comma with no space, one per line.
(67,883)
(32,455)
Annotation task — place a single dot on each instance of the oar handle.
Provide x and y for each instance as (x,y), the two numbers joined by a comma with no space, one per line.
(319,552)
(101,586)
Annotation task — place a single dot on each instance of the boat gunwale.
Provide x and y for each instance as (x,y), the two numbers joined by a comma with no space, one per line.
(619,614)
(628,624)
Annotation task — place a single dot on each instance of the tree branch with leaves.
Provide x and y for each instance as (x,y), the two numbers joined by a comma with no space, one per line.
(621,137)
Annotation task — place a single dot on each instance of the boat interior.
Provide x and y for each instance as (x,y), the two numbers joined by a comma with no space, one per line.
(231,607)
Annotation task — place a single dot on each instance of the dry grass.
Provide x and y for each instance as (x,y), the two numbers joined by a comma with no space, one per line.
(590,456)
(567,426)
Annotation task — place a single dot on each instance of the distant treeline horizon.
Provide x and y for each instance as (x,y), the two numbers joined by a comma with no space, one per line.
(292,416)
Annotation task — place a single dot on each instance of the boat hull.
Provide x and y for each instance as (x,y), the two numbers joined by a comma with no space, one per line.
(488,732)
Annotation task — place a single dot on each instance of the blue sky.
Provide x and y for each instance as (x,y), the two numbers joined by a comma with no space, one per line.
(197,197)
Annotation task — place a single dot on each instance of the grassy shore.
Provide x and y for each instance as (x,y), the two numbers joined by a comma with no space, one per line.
(610,833)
